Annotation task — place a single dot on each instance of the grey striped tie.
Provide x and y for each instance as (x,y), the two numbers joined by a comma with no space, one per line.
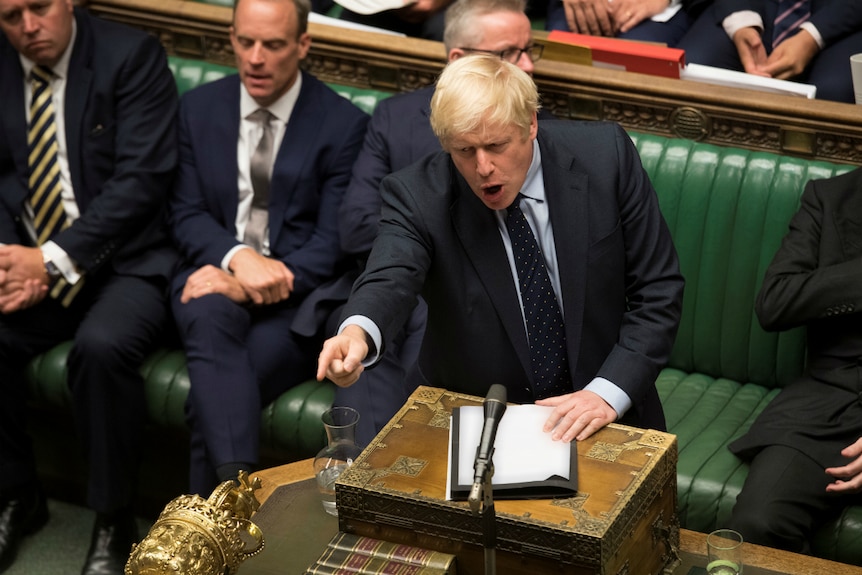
(260,168)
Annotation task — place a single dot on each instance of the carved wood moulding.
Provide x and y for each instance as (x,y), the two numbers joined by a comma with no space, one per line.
(814,129)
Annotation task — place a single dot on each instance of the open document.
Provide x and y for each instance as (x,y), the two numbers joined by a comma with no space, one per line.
(527,462)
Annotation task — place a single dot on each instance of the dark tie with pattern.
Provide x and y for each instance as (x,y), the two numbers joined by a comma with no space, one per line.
(790,15)
(260,168)
(545,329)
(49,216)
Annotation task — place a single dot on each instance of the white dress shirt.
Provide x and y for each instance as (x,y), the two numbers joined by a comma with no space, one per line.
(250,133)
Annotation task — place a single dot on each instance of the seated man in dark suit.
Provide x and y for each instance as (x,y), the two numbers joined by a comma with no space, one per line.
(88,152)
(540,250)
(399,134)
(805,447)
(265,157)
(809,41)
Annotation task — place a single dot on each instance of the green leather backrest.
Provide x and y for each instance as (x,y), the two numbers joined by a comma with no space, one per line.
(728,210)
(189,73)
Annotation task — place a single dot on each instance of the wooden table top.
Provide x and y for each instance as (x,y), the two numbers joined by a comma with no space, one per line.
(291,549)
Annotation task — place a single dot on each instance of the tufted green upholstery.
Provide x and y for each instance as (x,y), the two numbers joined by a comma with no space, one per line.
(727,210)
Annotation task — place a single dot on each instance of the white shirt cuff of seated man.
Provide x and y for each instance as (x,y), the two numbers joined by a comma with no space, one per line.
(751,19)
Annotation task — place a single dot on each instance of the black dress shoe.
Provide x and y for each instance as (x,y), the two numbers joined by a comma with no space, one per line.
(20,515)
(113,537)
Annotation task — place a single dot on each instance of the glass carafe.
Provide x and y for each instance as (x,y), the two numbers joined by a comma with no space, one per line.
(339,453)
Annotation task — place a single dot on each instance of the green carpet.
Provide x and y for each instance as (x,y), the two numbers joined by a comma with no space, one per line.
(61,546)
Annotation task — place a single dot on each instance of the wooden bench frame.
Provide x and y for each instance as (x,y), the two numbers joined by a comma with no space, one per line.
(814,129)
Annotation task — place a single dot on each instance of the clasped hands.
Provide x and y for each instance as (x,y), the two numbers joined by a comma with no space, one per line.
(23,280)
(609,17)
(575,416)
(787,60)
(253,278)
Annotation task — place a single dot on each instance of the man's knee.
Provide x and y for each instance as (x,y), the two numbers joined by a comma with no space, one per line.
(770,524)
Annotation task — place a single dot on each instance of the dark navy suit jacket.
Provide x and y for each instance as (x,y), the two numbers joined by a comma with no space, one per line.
(309,177)
(622,291)
(398,135)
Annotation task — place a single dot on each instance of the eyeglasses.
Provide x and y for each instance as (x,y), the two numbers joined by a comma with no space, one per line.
(512,55)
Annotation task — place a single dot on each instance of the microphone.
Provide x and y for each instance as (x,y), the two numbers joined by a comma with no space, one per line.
(494,407)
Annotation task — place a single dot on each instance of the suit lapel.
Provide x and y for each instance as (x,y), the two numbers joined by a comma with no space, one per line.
(299,136)
(477,229)
(78,83)
(225,132)
(566,192)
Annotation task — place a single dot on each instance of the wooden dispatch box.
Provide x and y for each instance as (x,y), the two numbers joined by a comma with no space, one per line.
(622,521)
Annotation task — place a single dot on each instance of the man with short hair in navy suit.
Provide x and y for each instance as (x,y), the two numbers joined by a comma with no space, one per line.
(603,270)
(265,157)
(85,252)
(814,47)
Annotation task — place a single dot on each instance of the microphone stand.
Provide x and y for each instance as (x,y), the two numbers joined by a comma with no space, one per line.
(489,523)
(482,492)
(488,518)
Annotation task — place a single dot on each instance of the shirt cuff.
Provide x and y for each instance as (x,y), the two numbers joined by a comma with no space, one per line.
(61,259)
(225,261)
(812,29)
(665,15)
(616,397)
(742,19)
(373,332)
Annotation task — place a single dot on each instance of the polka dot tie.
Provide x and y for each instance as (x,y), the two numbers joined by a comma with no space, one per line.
(545,329)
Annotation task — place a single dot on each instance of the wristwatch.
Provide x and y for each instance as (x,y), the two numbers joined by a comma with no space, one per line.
(52,270)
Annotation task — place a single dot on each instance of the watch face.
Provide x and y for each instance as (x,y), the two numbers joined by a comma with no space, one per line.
(52,270)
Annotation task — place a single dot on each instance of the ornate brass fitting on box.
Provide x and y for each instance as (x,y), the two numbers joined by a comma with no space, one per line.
(197,536)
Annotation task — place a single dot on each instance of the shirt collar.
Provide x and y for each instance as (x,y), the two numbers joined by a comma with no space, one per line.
(281,108)
(534,187)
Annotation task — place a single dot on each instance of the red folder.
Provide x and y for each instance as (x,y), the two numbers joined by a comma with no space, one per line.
(626,54)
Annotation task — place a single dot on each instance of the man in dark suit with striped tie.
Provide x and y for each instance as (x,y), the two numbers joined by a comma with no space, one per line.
(806,40)
(87,156)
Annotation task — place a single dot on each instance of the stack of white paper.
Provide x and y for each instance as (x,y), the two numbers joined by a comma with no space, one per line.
(735,79)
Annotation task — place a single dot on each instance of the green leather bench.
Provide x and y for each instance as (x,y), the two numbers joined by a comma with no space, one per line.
(727,210)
